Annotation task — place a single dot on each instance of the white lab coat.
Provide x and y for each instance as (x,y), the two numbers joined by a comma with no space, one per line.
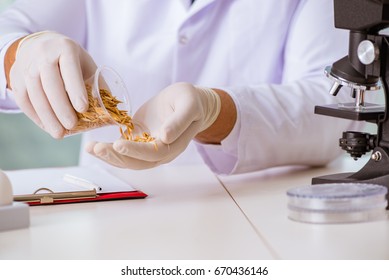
(269,55)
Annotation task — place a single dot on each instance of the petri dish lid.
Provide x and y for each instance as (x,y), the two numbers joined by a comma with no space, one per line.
(337,202)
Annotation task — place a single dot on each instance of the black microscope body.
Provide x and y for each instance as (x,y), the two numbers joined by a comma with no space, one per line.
(365,68)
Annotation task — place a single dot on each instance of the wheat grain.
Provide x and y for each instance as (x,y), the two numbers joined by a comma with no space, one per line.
(96,117)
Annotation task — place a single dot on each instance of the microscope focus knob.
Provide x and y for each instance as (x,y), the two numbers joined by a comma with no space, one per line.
(367,52)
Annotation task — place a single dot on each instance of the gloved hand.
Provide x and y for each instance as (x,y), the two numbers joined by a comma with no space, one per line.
(174,117)
(47,79)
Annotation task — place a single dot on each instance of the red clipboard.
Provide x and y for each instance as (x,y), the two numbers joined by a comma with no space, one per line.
(84,184)
(50,198)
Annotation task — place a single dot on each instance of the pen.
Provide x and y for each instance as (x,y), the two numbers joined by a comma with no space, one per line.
(80,182)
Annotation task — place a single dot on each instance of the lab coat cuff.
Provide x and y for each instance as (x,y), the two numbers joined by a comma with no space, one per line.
(8,104)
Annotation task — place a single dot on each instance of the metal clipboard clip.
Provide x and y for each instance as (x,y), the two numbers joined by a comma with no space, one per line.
(48,196)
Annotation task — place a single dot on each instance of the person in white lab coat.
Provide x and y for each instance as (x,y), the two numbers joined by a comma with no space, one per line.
(240,77)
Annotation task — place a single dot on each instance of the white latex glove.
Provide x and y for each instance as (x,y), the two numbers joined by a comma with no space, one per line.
(174,116)
(47,79)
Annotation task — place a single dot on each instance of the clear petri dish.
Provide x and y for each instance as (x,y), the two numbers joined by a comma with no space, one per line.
(337,203)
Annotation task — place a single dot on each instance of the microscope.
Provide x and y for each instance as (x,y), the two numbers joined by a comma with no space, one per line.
(364,69)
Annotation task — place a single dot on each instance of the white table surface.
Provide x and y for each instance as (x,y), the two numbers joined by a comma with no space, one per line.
(262,197)
(192,214)
(187,215)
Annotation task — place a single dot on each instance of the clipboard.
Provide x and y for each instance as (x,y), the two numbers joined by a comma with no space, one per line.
(47,186)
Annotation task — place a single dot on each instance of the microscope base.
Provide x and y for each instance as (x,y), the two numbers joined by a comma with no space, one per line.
(374,172)
(347,178)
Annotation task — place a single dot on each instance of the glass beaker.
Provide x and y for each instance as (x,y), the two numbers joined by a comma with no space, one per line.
(109,103)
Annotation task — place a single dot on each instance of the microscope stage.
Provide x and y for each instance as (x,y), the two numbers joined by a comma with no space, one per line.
(369,112)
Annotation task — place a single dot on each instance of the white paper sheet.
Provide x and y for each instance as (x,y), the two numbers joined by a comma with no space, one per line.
(27,181)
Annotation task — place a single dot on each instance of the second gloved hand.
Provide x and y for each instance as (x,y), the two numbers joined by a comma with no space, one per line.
(174,117)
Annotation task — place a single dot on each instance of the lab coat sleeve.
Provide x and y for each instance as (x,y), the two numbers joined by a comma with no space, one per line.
(276,123)
(28,16)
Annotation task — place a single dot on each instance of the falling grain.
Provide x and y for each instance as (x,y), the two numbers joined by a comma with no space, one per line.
(96,116)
